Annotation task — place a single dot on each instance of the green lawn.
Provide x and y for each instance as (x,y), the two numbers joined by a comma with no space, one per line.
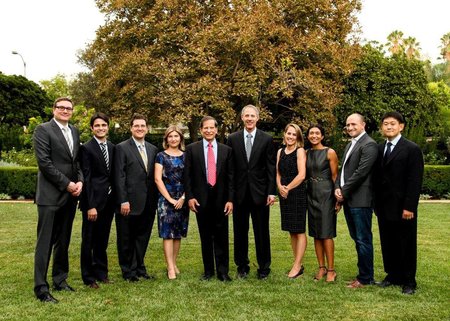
(189,299)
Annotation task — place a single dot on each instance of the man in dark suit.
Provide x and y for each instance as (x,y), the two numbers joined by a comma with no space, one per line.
(60,181)
(254,164)
(136,196)
(354,190)
(97,202)
(208,184)
(398,180)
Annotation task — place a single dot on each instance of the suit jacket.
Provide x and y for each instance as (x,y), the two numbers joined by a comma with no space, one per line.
(259,173)
(195,180)
(132,183)
(357,190)
(57,166)
(97,177)
(398,181)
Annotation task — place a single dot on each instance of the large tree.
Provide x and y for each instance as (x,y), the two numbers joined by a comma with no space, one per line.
(176,60)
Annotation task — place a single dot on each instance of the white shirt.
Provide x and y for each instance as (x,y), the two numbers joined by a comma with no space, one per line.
(393,142)
(253,133)
(354,141)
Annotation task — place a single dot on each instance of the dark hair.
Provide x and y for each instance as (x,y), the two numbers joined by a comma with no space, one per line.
(57,100)
(393,114)
(169,130)
(206,118)
(322,130)
(99,115)
(137,116)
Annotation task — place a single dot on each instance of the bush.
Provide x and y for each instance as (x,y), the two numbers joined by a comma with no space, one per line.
(18,181)
(436,180)
(24,157)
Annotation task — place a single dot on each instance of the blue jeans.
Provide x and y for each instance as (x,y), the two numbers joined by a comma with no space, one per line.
(359,222)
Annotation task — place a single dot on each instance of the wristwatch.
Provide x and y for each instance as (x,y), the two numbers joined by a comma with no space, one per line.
(182,197)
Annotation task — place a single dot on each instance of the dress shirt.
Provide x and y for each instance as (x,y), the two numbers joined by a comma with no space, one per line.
(354,141)
(393,142)
(205,153)
(253,133)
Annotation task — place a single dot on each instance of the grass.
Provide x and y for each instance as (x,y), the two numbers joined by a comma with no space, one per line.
(189,299)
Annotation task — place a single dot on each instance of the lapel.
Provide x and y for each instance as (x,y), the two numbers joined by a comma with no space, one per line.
(357,146)
(58,132)
(201,152)
(257,143)
(241,145)
(396,151)
(98,150)
(219,159)
(135,151)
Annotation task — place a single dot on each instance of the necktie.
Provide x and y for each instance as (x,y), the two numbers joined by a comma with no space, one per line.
(105,154)
(211,166)
(66,133)
(388,152)
(143,155)
(248,146)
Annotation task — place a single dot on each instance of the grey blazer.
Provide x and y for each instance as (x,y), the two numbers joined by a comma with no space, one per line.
(132,183)
(357,190)
(57,167)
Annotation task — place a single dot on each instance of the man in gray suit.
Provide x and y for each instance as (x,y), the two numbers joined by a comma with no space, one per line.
(134,163)
(60,181)
(354,190)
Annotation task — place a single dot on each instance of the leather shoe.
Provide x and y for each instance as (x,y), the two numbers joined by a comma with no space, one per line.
(105,280)
(300,272)
(132,279)
(242,275)
(263,276)
(355,285)
(384,284)
(408,290)
(47,297)
(146,276)
(93,285)
(224,277)
(63,287)
(206,277)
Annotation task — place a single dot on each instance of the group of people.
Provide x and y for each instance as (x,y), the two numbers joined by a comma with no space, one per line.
(133,182)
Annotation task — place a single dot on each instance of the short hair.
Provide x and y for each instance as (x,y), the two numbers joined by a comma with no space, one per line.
(250,106)
(99,115)
(206,118)
(137,116)
(170,129)
(393,114)
(298,132)
(57,100)
(319,127)
(361,117)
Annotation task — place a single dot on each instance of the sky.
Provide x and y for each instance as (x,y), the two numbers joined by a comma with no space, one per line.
(49,33)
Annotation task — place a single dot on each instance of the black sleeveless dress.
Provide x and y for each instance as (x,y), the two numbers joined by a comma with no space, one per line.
(293,209)
(321,201)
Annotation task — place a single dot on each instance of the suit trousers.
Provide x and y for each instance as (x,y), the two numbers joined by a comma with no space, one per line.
(94,244)
(399,250)
(133,235)
(213,228)
(260,221)
(54,231)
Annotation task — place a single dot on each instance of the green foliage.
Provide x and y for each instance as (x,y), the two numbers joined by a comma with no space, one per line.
(56,87)
(23,157)
(436,180)
(18,181)
(11,136)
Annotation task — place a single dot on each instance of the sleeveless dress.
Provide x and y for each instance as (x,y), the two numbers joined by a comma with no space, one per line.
(172,223)
(293,209)
(321,201)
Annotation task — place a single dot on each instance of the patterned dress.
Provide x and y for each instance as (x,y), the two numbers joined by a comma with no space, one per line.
(293,209)
(172,223)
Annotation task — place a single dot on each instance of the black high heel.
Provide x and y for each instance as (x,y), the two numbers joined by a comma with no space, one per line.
(300,272)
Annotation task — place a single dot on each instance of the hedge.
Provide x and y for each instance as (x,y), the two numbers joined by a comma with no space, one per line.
(21,181)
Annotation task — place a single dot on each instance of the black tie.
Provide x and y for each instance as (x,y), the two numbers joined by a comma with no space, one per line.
(388,152)
(105,154)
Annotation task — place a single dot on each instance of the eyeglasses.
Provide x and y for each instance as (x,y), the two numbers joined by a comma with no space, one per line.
(62,108)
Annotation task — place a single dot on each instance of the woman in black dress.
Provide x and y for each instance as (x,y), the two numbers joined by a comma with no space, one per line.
(321,173)
(290,181)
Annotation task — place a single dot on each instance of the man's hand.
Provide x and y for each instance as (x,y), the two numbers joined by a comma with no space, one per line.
(125,209)
(407,215)
(192,205)
(92,214)
(270,200)
(228,208)
(338,195)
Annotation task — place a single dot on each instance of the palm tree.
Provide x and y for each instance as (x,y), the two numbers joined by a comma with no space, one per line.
(445,47)
(412,49)
(395,42)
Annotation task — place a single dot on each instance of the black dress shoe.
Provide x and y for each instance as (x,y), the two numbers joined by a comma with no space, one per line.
(105,280)
(46,297)
(263,276)
(224,277)
(93,285)
(408,290)
(146,276)
(63,287)
(300,272)
(132,279)
(384,284)
(206,277)
(242,275)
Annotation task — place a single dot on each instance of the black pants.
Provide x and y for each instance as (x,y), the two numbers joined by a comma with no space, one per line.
(94,244)
(213,228)
(260,220)
(53,234)
(133,235)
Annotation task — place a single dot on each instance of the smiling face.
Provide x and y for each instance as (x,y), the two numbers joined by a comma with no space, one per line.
(139,129)
(315,136)
(391,128)
(290,137)
(173,139)
(250,118)
(209,130)
(100,129)
(355,125)
(63,111)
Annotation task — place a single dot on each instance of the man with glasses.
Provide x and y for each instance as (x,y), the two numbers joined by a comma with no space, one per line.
(60,181)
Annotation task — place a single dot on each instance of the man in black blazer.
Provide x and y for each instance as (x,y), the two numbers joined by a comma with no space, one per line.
(354,190)
(97,202)
(136,196)
(398,180)
(208,184)
(254,164)
(60,181)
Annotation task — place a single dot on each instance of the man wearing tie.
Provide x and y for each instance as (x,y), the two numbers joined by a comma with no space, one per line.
(208,184)
(398,180)
(354,190)
(60,181)
(254,163)
(97,202)
(136,196)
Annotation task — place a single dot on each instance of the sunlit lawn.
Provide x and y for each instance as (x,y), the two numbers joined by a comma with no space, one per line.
(187,298)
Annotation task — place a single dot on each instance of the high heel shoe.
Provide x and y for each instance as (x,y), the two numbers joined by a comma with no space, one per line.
(333,278)
(319,275)
(300,272)
(171,276)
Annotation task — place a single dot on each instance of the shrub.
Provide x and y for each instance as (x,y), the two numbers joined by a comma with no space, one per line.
(24,157)
(436,180)
(18,181)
